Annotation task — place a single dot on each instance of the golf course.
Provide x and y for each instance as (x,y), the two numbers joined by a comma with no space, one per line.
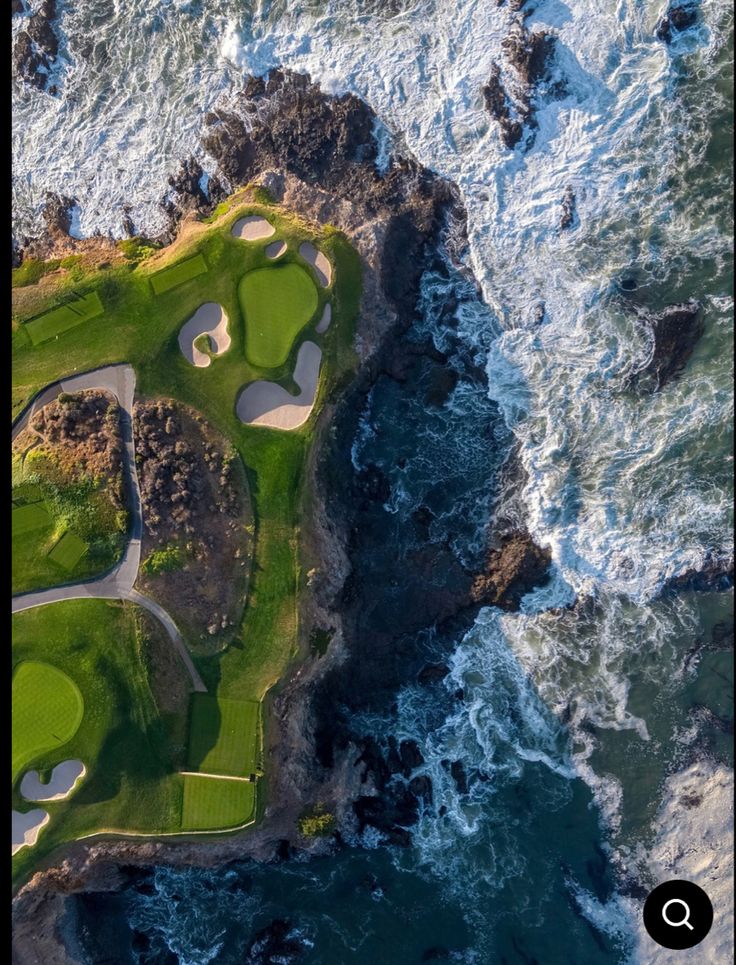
(156,745)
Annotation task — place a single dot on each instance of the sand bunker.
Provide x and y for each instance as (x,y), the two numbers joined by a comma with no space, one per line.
(64,778)
(268,404)
(253,228)
(209,319)
(324,323)
(275,249)
(318,261)
(26,827)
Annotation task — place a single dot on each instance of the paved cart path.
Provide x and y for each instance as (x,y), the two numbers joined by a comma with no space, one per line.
(119,380)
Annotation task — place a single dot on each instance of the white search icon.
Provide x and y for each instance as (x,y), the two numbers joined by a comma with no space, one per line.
(676,924)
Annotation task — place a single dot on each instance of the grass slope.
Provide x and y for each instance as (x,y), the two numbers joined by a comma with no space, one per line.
(277,303)
(211,803)
(47,709)
(132,780)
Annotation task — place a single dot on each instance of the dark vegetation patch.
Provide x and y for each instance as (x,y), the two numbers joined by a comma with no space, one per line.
(197,521)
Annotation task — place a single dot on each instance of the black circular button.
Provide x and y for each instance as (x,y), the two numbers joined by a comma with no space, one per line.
(678,914)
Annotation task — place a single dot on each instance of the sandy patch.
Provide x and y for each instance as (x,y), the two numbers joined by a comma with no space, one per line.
(275,249)
(253,228)
(318,261)
(27,827)
(268,404)
(209,319)
(64,778)
(324,323)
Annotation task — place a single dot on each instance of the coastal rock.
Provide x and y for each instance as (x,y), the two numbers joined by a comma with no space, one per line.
(57,213)
(191,191)
(679,17)
(36,48)
(716,574)
(674,333)
(568,208)
(512,570)
(421,788)
(411,756)
(278,942)
(17,6)
(498,105)
(432,672)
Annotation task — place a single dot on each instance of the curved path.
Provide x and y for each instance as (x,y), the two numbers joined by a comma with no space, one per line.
(119,380)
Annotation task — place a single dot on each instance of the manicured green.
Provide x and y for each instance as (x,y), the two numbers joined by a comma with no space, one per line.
(216,803)
(47,709)
(68,551)
(132,781)
(66,316)
(177,275)
(223,735)
(277,303)
(26,519)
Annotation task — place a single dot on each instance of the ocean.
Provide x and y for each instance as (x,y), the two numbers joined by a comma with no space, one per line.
(579,725)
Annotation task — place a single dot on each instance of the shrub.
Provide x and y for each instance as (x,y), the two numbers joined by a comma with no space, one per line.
(166,560)
(316,822)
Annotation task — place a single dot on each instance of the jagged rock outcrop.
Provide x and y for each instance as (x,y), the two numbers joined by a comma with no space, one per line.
(569,214)
(37,46)
(515,567)
(508,94)
(57,213)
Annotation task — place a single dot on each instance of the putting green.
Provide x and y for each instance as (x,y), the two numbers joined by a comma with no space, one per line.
(277,303)
(211,803)
(47,709)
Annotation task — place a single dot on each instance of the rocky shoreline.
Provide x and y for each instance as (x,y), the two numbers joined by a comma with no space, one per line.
(316,154)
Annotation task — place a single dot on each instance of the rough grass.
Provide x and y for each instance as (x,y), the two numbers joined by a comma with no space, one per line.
(132,781)
(47,709)
(68,551)
(177,275)
(211,804)
(66,316)
(277,303)
(223,735)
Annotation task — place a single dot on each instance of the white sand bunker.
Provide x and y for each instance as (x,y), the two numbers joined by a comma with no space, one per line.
(27,827)
(253,228)
(209,319)
(268,404)
(324,323)
(318,261)
(275,249)
(64,778)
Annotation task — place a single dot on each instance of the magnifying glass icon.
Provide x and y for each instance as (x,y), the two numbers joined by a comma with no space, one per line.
(676,924)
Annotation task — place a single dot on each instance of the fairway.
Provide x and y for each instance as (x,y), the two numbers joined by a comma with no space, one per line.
(222,735)
(64,317)
(47,709)
(277,303)
(27,519)
(68,551)
(172,277)
(210,803)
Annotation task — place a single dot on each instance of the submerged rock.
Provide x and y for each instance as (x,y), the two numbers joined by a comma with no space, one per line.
(568,208)
(675,332)
(279,942)
(679,17)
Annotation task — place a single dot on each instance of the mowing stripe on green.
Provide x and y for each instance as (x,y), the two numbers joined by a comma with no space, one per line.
(47,709)
(211,804)
(27,519)
(172,277)
(64,317)
(68,551)
(223,735)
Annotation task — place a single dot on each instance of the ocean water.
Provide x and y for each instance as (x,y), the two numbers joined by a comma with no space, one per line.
(574,721)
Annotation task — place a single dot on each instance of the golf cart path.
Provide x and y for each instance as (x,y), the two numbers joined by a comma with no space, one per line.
(119,380)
